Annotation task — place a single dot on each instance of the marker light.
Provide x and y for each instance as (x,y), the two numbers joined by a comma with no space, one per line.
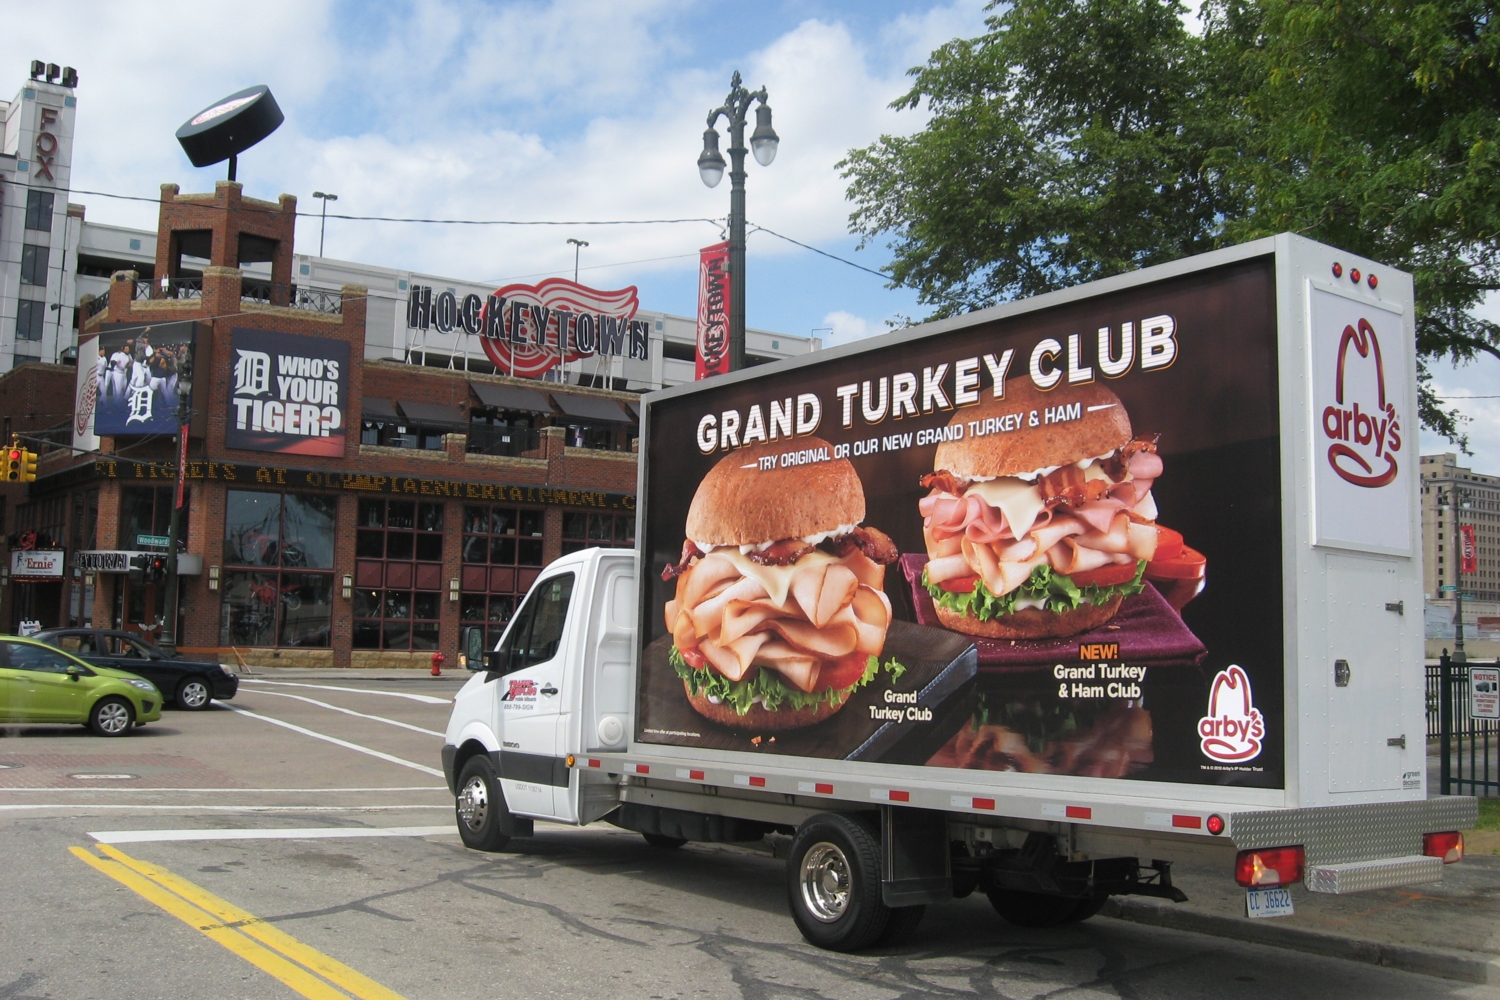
(1270,866)
(1448,846)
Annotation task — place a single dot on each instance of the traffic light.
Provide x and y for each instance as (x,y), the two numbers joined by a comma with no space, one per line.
(156,572)
(28,466)
(138,567)
(15,465)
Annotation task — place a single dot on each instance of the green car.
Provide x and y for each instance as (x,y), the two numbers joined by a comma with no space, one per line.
(39,683)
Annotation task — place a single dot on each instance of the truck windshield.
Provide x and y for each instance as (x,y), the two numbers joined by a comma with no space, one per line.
(537,631)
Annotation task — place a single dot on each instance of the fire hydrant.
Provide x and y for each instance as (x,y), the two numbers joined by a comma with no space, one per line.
(438,659)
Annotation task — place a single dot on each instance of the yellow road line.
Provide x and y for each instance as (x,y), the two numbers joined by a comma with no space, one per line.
(257,955)
(331,969)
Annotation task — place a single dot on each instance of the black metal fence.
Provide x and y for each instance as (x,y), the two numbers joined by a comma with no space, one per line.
(1468,748)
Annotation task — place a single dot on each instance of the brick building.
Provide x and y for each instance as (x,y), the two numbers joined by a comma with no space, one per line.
(445,493)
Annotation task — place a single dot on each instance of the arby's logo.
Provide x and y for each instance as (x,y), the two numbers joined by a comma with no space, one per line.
(1233,729)
(1365,441)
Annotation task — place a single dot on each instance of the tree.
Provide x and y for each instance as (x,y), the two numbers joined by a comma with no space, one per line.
(1080,138)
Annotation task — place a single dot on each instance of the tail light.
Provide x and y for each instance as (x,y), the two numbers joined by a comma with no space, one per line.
(1271,866)
(1448,846)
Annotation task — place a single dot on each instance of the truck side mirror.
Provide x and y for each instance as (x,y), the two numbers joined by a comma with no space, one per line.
(473,648)
(495,661)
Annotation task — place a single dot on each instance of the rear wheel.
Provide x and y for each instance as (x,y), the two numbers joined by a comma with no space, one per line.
(1032,909)
(193,694)
(662,842)
(833,883)
(480,806)
(111,717)
(901,926)
(1087,907)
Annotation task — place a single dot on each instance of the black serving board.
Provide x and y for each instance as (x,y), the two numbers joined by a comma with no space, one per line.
(940,667)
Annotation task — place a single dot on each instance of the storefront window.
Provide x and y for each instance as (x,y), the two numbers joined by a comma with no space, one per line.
(265,533)
(582,531)
(146,510)
(502,555)
(398,574)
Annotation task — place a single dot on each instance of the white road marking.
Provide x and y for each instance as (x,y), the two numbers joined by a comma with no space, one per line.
(425,699)
(309,833)
(338,742)
(203,808)
(222,791)
(350,711)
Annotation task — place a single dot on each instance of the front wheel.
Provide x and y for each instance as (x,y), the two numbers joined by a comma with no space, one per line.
(111,717)
(193,695)
(833,883)
(663,842)
(480,806)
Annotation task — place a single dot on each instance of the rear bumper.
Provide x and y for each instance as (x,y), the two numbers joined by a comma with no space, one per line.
(1355,848)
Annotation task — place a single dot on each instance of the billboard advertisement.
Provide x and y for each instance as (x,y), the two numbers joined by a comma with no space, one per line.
(289,393)
(134,371)
(1048,543)
(712,353)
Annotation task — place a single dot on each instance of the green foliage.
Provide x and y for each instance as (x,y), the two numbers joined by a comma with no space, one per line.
(766,686)
(1059,593)
(1076,139)
(1489,815)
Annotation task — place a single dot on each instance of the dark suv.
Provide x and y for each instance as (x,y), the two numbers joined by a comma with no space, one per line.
(190,684)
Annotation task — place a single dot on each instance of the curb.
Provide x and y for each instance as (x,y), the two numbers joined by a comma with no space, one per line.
(1463,966)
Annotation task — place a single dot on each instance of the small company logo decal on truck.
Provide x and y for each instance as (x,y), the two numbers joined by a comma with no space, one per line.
(1233,728)
(1376,433)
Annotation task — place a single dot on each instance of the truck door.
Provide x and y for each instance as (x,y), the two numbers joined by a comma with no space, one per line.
(531,701)
(604,722)
(1365,669)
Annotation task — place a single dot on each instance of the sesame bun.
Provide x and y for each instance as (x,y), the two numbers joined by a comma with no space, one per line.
(1103,427)
(758,720)
(1032,623)
(736,505)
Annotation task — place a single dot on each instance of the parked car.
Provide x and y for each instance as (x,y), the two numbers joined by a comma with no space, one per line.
(190,684)
(41,683)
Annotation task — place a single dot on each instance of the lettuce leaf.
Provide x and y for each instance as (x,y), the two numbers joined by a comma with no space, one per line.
(766,686)
(1057,592)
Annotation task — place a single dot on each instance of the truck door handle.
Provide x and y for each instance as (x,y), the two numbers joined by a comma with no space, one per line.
(549,689)
(1397,741)
(1397,606)
(1341,673)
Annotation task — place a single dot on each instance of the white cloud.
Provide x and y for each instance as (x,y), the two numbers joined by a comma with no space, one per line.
(847,327)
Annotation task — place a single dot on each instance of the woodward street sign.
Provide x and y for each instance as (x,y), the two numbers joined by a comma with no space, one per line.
(152,541)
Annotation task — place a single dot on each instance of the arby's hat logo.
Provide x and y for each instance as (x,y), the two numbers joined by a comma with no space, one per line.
(1233,729)
(1365,438)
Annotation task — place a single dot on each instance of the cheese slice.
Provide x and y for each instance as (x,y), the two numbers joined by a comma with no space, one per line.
(776,579)
(1019,501)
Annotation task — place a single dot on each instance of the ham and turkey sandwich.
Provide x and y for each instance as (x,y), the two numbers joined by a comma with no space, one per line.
(780,612)
(1041,531)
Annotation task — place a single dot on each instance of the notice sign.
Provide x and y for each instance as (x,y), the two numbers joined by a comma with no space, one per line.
(713,310)
(290,393)
(1484,692)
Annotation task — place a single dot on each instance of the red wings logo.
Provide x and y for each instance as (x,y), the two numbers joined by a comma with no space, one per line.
(1233,728)
(1355,432)
(556,321)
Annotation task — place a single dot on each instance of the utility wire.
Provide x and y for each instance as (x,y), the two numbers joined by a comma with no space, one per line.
(825,253)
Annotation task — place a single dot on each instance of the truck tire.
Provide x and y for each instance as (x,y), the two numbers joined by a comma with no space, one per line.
(833,883)
(480,806)
(1087,907)
(901,926)
(1032,909)
(662,842)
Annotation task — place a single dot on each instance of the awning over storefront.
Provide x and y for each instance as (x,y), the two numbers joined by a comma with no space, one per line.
(635,410)
(432,414)
(378,409)
(509,397)
(590,407)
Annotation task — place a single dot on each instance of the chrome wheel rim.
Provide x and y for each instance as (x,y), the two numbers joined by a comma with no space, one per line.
(474,803)
(114,717)
(194,694)
(825,882)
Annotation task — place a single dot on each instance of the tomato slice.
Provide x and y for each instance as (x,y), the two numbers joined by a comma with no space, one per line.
(1168,544)
(836,675)
(694,658)
(960,585)
(1189,564)
(1105,576)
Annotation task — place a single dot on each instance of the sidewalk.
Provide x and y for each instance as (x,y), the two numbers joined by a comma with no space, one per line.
(1449,928)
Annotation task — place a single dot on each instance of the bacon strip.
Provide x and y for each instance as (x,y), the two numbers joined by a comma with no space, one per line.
(874,543)
(1069,486)
(689,553)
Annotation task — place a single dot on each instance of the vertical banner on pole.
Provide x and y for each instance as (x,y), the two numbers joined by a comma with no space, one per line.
(713,310)
(182,464)
(1468,559)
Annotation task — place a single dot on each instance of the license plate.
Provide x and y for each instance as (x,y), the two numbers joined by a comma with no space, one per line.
(1275,902)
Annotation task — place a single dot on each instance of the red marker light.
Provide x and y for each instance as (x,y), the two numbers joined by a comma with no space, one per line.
(1338,269)
(1373,281)
(1354,275)
(1448,846)
(1216,824)
(1273,866)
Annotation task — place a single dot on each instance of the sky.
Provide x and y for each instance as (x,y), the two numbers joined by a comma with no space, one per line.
(586,110)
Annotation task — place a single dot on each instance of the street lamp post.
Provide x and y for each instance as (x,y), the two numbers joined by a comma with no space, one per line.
(169,619)
(1456,497)
(578,246)
(323,226)
(763,143)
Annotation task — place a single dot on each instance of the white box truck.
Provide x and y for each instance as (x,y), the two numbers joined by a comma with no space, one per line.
(1035,601)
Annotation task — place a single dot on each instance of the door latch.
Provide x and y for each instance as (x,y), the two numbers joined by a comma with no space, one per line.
(1397,741)
(549,689)
(1397,606)
(1341,673)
